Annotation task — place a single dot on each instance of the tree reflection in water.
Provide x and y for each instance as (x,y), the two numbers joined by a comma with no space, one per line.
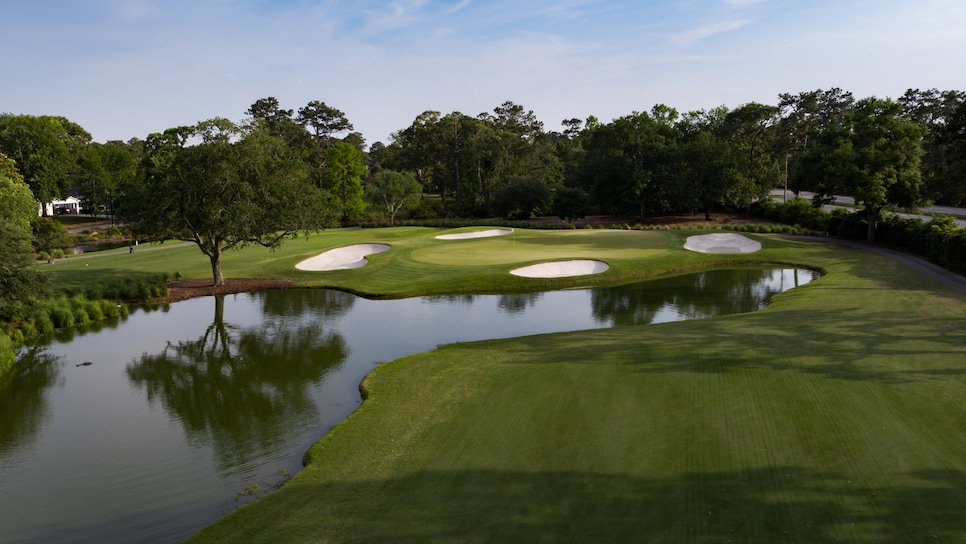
(693,296)
(241,389)
(25,396)
(314,302)
(518,303)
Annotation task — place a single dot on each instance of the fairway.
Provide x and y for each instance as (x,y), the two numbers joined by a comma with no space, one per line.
(835,414)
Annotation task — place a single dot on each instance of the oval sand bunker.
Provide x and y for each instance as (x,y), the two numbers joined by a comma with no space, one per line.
(560,269)
(475,234)
(722,242)
(342,258)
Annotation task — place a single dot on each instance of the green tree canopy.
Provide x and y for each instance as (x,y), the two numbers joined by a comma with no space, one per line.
(522,197)
(233,188)
(393,190)
(45,150)
(17,203)
(342,177)
(873,156)
(627,165)
(324,121)
(21,283)
(104,169)
(570,204)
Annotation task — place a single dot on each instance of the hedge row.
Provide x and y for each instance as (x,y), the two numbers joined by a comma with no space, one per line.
(940,240)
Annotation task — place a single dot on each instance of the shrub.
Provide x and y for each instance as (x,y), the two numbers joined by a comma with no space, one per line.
(8,357)
(81,317)
(43,324)
(426,209)
(847,224)
(48,234)
(28,330)
(62,317)
(16,336)
(94,310)
(109,309)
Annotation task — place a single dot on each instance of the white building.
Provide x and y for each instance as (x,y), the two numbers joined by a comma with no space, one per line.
(70,205)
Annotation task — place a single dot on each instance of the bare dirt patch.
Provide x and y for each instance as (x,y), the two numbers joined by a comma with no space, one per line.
(185,289)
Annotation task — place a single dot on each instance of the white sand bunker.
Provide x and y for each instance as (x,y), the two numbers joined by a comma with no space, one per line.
(342,258)
(560,269)
(475,234)
(722,242)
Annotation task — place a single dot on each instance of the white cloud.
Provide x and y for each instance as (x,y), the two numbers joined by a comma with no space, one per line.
(742,3)
(139,66)
(698,34)
(458,7)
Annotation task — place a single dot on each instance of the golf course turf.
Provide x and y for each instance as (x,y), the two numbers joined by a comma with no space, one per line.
(835,414)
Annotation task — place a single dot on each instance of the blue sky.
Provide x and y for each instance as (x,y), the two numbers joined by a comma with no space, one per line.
(127,68)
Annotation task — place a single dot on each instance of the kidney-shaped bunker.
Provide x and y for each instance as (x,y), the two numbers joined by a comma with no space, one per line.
(342,258)
(560,269)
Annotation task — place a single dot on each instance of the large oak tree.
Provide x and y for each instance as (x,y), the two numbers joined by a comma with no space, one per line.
(224,188)
(873,156)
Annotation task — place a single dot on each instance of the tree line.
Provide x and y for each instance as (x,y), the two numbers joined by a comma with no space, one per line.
(504,163)
(224,184)
(904,152)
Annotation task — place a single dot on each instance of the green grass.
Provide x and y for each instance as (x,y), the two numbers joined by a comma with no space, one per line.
(417,262)
(836,414)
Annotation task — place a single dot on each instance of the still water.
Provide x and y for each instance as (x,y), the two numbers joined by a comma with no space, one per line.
(185,411)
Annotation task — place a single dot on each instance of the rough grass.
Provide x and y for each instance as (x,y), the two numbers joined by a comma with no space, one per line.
(835,414)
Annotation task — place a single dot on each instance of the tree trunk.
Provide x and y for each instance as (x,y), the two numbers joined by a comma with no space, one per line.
(872,215)
(459,191)
(217,277)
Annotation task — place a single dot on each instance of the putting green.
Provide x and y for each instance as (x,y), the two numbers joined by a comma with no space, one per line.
(524,246)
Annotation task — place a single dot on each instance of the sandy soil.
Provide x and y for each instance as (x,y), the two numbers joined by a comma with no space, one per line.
(475,234)
(342,258)
(561,269)
(722,242)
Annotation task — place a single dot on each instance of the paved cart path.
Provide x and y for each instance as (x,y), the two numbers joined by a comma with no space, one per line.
(919,264)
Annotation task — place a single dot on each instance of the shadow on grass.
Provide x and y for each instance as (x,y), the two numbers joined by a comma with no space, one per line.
(779,504)
(886,347)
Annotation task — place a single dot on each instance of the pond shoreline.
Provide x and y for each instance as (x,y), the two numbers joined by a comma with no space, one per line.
(188,289)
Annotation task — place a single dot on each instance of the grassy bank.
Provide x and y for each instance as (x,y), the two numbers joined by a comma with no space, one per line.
(834,415)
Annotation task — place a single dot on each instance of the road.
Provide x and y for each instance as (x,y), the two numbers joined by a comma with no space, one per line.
(959,214)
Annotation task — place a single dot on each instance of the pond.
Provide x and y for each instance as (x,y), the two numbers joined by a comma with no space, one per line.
(189,410)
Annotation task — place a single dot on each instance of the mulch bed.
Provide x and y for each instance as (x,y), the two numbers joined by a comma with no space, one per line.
(183,290)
